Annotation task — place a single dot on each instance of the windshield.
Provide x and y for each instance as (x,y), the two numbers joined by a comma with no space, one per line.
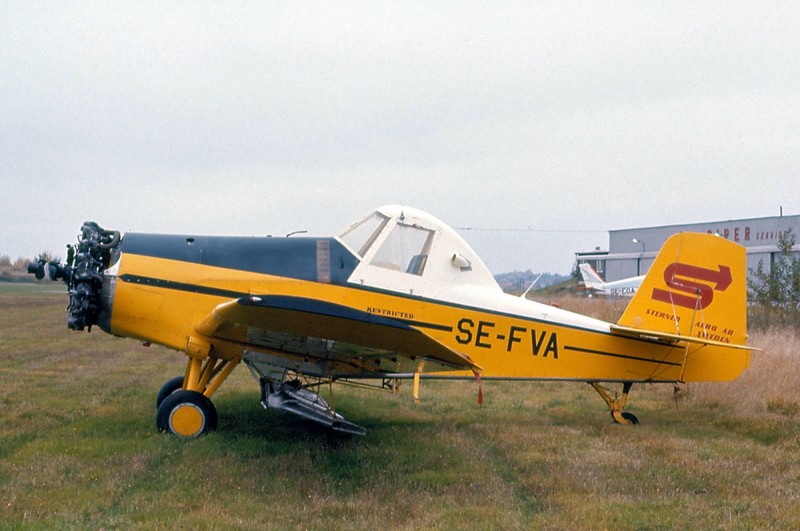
(405,249)
(362,235)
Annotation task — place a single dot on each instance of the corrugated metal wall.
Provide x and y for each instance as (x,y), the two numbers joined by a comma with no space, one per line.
(628,258)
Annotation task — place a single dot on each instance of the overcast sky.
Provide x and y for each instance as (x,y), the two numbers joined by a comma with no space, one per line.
(554,120)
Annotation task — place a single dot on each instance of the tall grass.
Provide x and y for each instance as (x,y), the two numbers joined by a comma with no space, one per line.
(78,447)
(771,386)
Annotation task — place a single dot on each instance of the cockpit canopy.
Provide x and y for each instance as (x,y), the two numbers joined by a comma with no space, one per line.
(404,249)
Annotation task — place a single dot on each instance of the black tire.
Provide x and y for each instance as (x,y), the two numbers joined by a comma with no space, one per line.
(628,416)
(187,414)
(169,387)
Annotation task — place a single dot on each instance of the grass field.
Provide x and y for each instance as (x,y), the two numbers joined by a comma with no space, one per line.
(79,449)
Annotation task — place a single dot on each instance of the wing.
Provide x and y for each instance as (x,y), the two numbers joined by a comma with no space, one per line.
(327,339)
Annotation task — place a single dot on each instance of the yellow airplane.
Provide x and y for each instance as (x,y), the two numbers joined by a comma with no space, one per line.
(396,294)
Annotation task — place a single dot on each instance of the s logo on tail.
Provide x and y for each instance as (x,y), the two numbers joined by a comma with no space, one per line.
(701,294)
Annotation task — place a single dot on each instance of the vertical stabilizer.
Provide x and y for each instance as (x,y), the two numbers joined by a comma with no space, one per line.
(696,287)
(590,277)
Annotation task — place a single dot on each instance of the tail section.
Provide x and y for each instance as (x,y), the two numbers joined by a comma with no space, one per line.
(696,288)
(590,277)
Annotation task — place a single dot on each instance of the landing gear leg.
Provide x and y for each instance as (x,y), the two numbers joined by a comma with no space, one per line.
(183,405)
(617,405)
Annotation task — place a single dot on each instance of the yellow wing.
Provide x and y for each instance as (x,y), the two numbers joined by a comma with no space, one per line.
(340,340)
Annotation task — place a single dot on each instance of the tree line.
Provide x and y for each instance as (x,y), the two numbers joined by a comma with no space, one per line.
(19,267)
(774,295)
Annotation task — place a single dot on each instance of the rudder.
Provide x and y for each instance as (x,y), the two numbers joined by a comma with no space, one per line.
(590,277)
(696,287)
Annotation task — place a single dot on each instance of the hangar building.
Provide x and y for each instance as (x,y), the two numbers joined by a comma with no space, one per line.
(632,251)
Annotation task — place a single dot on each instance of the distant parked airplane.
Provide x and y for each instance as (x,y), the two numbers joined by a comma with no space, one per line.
(625,287)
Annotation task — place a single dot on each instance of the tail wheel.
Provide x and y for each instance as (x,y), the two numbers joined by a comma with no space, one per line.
(169,387)
(187,414)
(624,417)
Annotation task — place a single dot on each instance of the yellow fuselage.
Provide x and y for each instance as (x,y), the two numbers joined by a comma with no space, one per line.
(506,343)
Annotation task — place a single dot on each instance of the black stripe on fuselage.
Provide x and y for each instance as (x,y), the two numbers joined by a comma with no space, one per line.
(432,326)
(180,286)
(623,356)
(323,308)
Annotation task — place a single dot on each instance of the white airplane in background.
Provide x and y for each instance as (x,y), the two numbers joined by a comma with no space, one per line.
(625,287)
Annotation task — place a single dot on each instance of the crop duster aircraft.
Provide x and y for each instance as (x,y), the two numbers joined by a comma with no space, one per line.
(397,294)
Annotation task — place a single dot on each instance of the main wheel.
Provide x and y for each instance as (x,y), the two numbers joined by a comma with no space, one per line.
(169,387)
(187,414)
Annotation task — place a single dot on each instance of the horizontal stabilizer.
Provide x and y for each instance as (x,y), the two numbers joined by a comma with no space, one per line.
(671,338)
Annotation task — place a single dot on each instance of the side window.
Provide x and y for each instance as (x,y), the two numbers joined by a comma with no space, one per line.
(362,236)
(405,249)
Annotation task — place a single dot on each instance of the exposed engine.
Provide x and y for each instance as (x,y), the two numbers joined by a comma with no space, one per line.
(82,273)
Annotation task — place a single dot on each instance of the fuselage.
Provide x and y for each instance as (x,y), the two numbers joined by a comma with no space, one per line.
(159,287)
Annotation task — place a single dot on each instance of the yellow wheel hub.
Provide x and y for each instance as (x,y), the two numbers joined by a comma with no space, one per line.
(187,420)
